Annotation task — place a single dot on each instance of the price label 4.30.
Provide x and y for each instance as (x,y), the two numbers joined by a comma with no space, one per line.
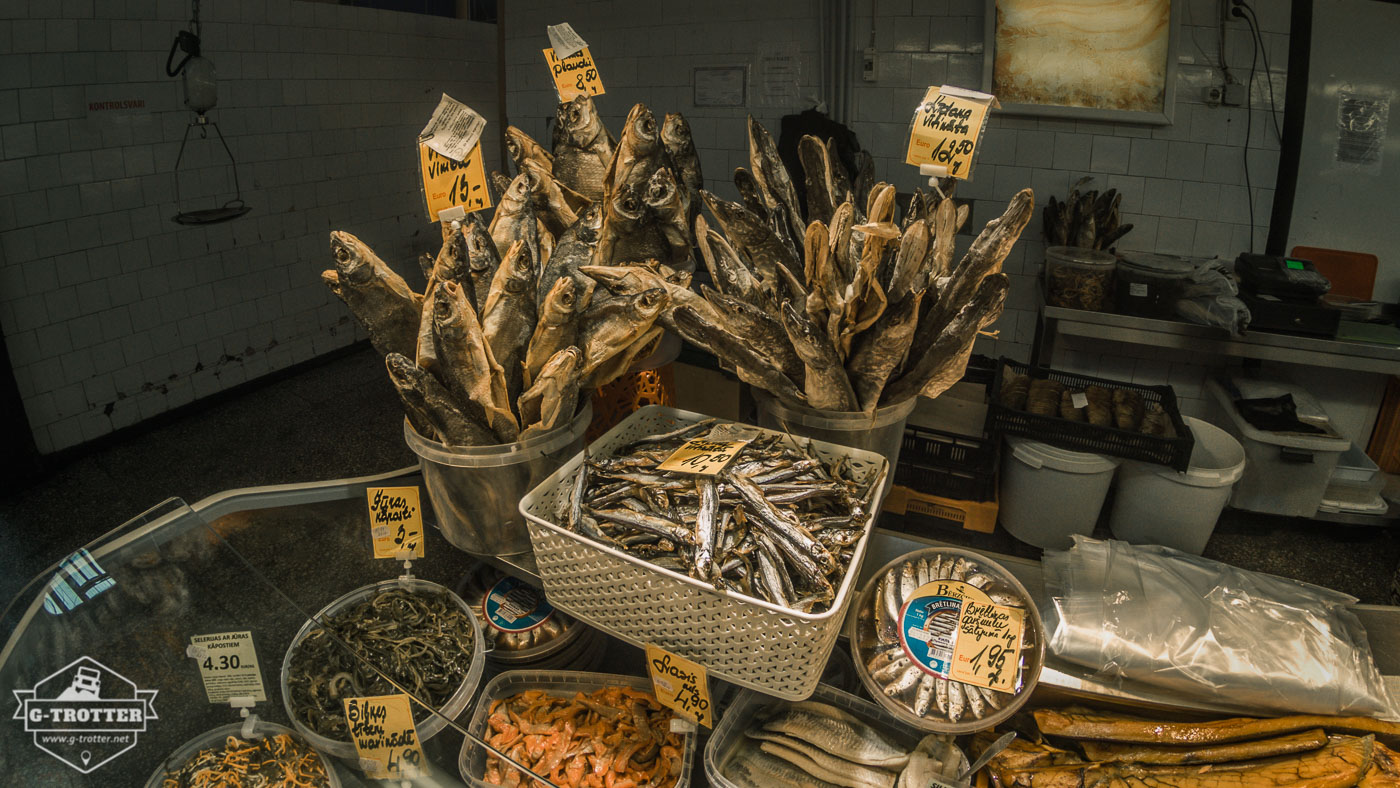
(228,665)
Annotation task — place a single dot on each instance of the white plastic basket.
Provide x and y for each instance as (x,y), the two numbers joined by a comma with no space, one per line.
(755,644)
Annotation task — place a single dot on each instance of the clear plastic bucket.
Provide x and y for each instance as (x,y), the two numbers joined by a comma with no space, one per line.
(882,433)
(476,490)
(261,729)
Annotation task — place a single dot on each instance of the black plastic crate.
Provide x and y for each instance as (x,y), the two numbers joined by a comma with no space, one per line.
(1081,436)
(948,465)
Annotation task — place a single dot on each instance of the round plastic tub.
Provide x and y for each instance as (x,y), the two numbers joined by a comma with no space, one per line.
(1079,278)
(524,629)
(1148,285)
(744,711)
(261,729)
(935,589)
(1157,505)
(882,433)
(1048,494)
(471,759)
(475,489)
(428,723)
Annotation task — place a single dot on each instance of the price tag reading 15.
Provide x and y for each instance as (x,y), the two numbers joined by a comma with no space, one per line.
(703,456)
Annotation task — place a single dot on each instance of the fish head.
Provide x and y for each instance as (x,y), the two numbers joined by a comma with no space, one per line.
(640,136)
(521,146)
(562,301)
(520,267)
(661,190)
(589,223)
(628,205)
(402,370)
(624,280)
(725,211)
(673,276)
(353,260)
(449,302)
(799,323)
(481,250)
(453,260)
(566,361)
(649,303)
(675,131)
(579,120)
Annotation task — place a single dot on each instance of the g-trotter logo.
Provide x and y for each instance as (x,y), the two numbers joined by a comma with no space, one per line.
(86,714)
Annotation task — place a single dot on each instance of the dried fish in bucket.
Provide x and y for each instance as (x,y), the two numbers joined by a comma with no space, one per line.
(423,639)
(779,524)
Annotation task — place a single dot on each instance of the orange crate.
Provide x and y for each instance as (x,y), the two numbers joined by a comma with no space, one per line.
(980,516)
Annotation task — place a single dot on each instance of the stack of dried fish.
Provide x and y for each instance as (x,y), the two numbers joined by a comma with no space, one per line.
(779,524)
(815,745)
(1088,220)
(1285,752)
(844,310)
(510,327)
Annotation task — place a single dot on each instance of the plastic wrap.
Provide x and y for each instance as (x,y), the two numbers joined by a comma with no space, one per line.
(1209,630)
(1209,296)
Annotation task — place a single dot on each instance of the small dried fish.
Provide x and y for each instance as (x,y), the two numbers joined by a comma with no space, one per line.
(379,298)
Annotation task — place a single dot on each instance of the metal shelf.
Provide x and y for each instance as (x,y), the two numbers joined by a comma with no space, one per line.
(1172,334)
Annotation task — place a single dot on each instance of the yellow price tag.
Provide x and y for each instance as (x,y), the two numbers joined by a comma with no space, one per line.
(703,456)
(988,651)
(385,736)
(680,685)
(575,75)
(947,125)
(395,521)
(448,183)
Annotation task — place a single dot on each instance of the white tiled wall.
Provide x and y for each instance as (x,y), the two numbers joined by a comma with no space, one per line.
(1183,184)
(111,312)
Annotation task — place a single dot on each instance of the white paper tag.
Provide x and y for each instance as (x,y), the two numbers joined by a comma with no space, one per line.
(1078,400)
(228,666)
(380,532)
(1137,289)
(196,652)
(453,130)
(564,40)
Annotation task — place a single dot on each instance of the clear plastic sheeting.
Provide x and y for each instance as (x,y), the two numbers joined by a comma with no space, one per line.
(1210,297)
(1211,631)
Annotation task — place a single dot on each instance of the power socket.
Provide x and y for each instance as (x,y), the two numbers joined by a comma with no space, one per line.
(1234,95)
(1214,95)
(869,70)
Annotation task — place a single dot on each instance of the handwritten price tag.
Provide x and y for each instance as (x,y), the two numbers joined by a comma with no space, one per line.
(703,456)
(385,736)
(395,521)
(228,664)
(947,127)
(680,685)
(448,183)
(574,75)
(988,648)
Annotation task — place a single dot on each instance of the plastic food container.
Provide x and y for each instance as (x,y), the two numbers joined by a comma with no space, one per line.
(428,724)
(1049,494)
(261,729)
(745,641)
(729,736)
(471,761)
(523,628)
(882,433)
(1078,278)
(940,595)
(1148,285)
(475,490)
(1285,472)
(1157,505)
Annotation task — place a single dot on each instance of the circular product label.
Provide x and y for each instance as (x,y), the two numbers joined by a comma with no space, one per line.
(928,623)
(513,606)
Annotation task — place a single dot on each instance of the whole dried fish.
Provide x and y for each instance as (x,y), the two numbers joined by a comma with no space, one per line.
(522,149)
(675,135)
(617,325)
(509,319)
(630,230)
(575,249)
(730,274)
(468,369)
(819,182)
(430,408)
(482,258)
(379,298)
(553,398)
(754,239)
(558,324)
(774,183)
(751,364)
(583,148)
(517,220)
(825,381)
(877,352)
(669,204)
(639,153)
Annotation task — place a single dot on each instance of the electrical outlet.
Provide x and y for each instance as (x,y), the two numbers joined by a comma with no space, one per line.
(870,66)
(1214,95)
(1234,95)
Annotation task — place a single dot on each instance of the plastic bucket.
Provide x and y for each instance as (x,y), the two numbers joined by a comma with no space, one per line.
(1178,509)
(476,490)
(882,433)
(1049,494)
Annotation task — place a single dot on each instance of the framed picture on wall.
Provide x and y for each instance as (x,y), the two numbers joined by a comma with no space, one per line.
(1109,60)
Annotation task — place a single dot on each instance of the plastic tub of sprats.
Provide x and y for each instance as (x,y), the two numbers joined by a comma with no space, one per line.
(1079,278)
(947,640)
(265,754)
(437,652)
(523,629)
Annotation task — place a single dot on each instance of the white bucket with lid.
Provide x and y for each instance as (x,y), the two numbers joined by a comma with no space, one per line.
(1178,509)
(1049,494)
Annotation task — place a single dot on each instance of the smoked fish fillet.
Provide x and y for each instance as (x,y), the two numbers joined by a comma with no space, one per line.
(1218,753)
(1110,727)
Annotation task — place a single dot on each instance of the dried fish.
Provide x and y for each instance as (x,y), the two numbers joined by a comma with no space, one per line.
(379,298)
(558,324)
(430,409)
(522,148)
(675,135)
(468,368)
(509,320)
(550,402)
(583,148)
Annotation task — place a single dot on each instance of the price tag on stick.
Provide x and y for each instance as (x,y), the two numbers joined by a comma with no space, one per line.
(385,736)
(680,685)
(574,75)
(947,128)
(703,456)
(228,664)
(449,184)
(988,650)
(395,521)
